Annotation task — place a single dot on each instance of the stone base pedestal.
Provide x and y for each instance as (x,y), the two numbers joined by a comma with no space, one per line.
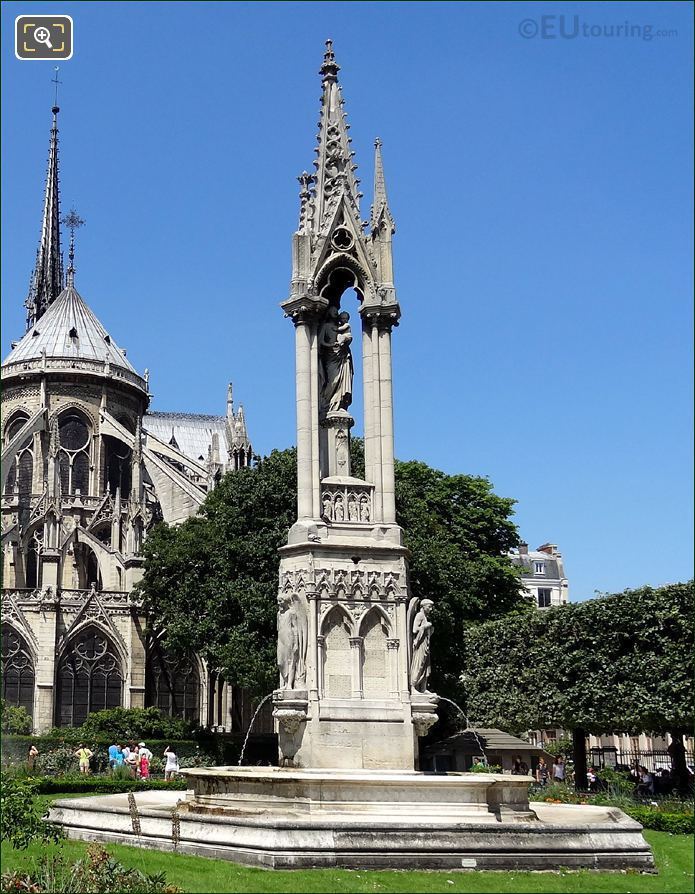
(351,737)
(287,819)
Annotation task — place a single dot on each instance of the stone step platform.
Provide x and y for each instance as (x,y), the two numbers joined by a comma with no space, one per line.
(336,833)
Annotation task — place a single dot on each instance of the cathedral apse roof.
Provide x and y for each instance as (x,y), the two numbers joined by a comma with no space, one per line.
(191,433)
(69,331)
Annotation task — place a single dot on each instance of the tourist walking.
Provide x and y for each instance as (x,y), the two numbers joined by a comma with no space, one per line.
(133,761)
(114,751)
(83,755)
(542,772)
(172,764)
(31,757)
(592,779)
(645,787)
(559,769)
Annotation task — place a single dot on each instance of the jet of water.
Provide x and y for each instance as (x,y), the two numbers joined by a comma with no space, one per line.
(467,727)
(253,720)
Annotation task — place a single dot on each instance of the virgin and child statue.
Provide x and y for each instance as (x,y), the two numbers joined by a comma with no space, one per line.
(336,367)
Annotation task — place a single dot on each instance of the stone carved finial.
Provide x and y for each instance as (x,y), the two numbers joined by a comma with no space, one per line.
(306,200)
(330,67)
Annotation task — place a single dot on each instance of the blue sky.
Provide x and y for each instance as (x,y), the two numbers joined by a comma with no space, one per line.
(542,189)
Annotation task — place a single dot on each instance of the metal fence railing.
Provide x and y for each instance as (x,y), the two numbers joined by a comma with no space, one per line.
(615,757)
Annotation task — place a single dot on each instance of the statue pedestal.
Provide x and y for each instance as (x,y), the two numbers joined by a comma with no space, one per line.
(424,711)
(290,715)
(335,443)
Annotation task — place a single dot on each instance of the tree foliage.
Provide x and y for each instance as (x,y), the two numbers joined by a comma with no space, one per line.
(621,662)
(132,723)
(211,583)
(21,814)
(458,532)
(15,719)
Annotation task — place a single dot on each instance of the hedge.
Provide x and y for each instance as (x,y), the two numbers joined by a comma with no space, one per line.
(653,818)
(16,748)
(99,785)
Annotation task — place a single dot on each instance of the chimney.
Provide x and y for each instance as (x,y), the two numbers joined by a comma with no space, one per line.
(549,548)
(523,549)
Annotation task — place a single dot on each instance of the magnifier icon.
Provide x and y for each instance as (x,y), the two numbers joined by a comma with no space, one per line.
(43,35)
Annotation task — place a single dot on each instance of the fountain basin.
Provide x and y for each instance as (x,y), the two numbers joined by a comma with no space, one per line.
(355,794)
(286,818)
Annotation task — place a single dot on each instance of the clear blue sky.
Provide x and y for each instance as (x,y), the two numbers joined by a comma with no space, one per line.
(542,190)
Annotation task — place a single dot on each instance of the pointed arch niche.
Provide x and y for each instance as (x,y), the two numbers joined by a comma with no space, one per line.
(338,666)
(18,676)
(341,281)
(375,660)
(89,678)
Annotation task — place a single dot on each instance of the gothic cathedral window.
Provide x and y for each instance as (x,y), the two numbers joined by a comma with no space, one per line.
(89,678)
(17,670)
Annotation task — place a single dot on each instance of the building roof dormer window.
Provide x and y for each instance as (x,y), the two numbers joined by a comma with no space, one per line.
(539,567)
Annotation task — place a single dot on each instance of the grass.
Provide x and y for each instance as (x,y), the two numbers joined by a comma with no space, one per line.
(673,855)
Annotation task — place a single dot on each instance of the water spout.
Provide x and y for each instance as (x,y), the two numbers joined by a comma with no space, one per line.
(467,727)
(253,720)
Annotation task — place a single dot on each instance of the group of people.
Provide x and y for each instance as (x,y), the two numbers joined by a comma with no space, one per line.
(556,774)
(137,759)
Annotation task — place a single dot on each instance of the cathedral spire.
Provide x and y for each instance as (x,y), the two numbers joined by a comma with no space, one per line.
(335,171)
(47,279)
(381,213)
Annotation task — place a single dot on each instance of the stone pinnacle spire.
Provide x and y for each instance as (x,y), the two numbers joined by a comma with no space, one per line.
(47,279)
(381,213)
(72,221)
(335,171)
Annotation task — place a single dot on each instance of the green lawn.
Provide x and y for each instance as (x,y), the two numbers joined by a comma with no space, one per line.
(673,855)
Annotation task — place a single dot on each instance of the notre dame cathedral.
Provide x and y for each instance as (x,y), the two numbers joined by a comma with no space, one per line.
(87,470)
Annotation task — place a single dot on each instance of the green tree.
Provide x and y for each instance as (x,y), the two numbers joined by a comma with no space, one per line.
(211,583)
(620,662)
(21,816)
(458,532)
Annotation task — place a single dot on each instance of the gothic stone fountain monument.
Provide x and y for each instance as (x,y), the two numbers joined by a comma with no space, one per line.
(353,645)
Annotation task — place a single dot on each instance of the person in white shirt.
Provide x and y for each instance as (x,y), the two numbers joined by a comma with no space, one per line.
(172,764)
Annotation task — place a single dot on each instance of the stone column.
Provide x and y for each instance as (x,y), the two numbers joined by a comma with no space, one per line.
(376,424)
(357,684)
(386,393)
(312,652)
(305,499)
(404,635)
(392,645)
(315,455)
(320,655)
(367,384)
